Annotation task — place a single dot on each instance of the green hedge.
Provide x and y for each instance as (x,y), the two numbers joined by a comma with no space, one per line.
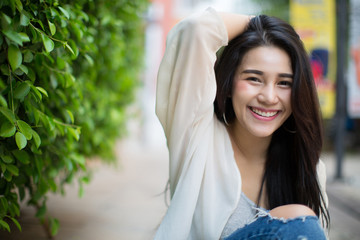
(277,8)
(68,70)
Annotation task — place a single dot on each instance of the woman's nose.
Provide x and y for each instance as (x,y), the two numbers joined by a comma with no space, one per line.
(268,95)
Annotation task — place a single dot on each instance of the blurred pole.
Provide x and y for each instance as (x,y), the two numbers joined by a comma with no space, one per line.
(341,44)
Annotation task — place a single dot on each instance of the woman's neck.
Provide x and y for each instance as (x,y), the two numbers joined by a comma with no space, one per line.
(252,149)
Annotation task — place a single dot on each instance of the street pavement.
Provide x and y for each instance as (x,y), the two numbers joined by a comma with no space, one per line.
(127,201)
(344,197)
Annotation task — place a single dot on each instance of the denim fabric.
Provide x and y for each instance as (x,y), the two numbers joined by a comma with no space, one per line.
(269,228)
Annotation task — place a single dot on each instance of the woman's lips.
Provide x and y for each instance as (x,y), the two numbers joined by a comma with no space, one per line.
(264,114)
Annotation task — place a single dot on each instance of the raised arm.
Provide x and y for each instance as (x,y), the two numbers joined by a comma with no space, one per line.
(186,89)
(234,23)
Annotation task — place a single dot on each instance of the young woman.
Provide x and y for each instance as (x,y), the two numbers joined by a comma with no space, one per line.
(244,138)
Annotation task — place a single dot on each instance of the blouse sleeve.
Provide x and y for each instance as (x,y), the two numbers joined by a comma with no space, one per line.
(186,85)
(322,181)
(321,171)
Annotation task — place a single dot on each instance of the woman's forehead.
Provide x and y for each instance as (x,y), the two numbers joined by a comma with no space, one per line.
(266,59)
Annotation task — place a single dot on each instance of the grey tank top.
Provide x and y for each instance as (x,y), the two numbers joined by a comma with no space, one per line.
(244,213)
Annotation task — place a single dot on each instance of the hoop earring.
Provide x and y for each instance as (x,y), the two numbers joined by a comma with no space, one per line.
(224,117)
(289,131)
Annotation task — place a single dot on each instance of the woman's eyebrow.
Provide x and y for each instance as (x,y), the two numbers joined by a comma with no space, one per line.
(286,75)
(283,75)
(253,71)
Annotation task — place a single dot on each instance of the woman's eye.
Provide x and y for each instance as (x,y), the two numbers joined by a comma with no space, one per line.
(285,83)
(254,79)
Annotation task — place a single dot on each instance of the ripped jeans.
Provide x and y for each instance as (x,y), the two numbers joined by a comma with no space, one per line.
(266,227)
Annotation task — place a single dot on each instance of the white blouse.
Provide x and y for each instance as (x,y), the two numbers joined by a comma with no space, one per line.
(205,182)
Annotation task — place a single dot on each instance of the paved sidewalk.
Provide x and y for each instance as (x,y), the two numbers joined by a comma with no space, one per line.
(344,198)
(124,202)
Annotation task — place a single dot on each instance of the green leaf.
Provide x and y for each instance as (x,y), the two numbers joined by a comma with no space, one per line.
(81,191)
(17,224)
(22,90)
(69,48)
(77,31)
(75,133)
(21,193)
(19,5)
(24,69)
(48,43)
(60,63)
(89,59)
(24,19)
(85,179)
(38,164)
(48,122)
(40,23)
(7,129)
(52,27)
(18,72)
(54,226)
(6,19)
(64,12)
(3,167)
(14,57)
(80,159)
(4,204)
(13,169)
(52,184)
(24,37)
(69,164)
(14,207)
(8,114)
(14,36)
(3,224)
(28,56)
(31,74)
(51,123)
(25,129)
(36,138)
(36,115)
(41,212)
(70,115)
(37,94)
(7,159)
(3,101)
(21,156)
(74,48)
(20,140)
(43,91)
(8,176)
(69,80)
(5,69)
(54,12)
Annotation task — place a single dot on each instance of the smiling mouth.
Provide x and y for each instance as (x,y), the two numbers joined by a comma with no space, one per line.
(263,113)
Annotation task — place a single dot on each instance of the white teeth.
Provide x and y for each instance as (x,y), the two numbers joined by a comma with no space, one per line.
(264,114)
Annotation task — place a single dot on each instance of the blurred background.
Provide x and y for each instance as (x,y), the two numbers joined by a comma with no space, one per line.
(121,195)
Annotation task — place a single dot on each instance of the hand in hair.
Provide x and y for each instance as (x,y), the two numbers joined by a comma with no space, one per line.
(235,23)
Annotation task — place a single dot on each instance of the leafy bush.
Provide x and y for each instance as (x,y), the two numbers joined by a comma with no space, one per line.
(278,8)
(68,70)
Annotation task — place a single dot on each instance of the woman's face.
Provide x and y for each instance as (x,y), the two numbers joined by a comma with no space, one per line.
(262,91)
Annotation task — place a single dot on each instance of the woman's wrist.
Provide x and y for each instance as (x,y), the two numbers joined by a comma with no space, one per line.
(235,23)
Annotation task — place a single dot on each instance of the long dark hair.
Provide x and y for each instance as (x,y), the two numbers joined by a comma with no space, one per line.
(291,166)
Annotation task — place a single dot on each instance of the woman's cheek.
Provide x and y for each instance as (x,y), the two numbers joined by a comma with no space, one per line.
(242,86)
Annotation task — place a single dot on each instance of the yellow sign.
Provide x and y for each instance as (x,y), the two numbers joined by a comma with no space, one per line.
(315,22)
(353,79)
